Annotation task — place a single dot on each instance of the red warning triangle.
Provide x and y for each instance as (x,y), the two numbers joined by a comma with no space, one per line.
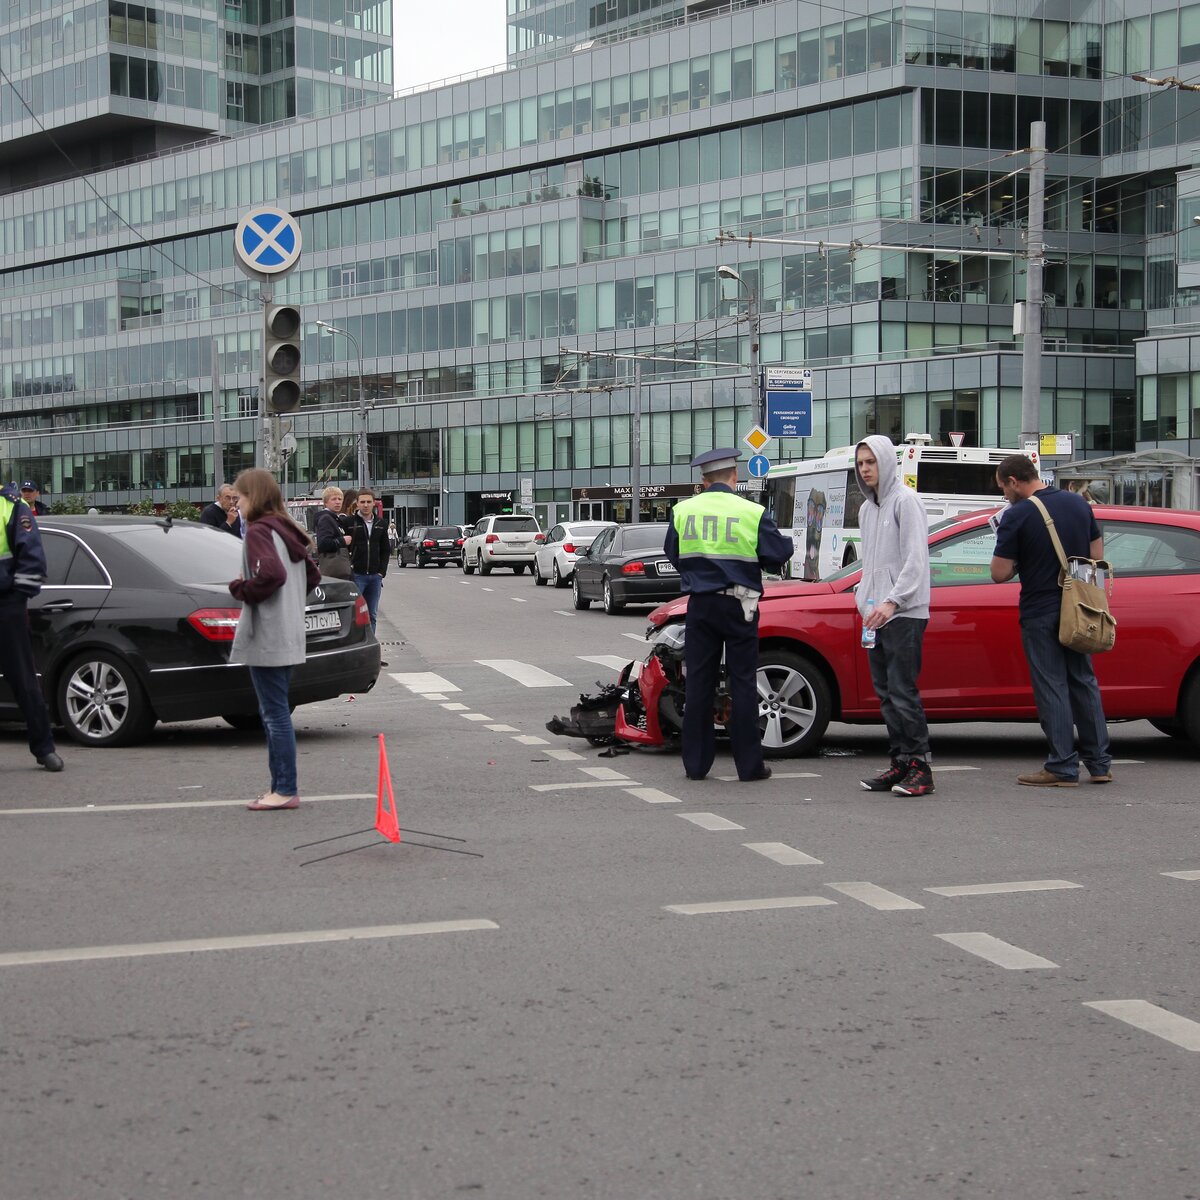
(386,820)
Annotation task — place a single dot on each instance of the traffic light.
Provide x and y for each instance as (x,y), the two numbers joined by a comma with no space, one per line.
(281,358)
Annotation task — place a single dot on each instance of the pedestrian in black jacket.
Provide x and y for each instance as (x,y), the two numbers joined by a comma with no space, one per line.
(369,551)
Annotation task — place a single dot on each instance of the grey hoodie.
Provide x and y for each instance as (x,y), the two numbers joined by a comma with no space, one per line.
(895,539)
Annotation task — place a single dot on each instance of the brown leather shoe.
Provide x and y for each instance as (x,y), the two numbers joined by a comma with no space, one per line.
(1044,778)
(1105,778)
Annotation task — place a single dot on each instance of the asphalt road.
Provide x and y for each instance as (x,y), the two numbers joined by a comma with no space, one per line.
(188,1010)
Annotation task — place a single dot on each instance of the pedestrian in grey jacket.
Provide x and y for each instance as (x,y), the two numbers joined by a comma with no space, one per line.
(893,597)
(277,574)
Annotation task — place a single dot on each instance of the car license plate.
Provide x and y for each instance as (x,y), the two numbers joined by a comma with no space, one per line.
(666,568)
(318,621)
(445,543)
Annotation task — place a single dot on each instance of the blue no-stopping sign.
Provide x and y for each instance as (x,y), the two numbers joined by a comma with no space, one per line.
(267,241)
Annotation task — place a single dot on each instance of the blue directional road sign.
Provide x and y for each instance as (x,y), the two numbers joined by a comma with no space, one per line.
(759,465)
(789,413)
(267,241)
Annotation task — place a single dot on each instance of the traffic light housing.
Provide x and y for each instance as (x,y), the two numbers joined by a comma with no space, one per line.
(281,358)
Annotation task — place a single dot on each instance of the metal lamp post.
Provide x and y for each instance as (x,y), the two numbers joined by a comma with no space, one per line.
(362,402)
(752,316)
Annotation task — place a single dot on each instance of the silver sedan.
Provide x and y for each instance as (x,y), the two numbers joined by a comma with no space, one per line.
(555,558)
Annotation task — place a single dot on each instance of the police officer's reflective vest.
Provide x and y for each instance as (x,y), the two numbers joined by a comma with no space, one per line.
(718,525)
(7,507)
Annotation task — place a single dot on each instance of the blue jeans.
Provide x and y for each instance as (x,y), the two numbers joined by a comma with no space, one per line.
(371,587)
(1068,698)
(271,688)
(895,664)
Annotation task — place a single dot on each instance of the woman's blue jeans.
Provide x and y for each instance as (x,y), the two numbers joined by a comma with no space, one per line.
(271,687)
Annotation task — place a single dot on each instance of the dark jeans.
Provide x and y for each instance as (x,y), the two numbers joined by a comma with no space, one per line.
(1068,698)
(371,587)
(715,622)
(895,664)
(16,665)
(271,688)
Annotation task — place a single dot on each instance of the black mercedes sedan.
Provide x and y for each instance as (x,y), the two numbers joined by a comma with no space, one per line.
(135,623)
(626,564)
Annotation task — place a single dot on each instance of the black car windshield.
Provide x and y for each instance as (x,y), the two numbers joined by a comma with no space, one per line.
(185,553)
(434,534)
(649,537)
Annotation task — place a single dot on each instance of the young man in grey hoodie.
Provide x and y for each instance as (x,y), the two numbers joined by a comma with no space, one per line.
(893,598)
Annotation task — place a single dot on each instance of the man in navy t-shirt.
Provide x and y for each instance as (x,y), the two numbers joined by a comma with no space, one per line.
(1064,684)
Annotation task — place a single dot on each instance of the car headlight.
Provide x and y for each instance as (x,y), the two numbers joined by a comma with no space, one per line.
(670,637)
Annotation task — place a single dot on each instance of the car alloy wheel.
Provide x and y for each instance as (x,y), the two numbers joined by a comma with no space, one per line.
(559,581)
(611,604)
(484,569)
(538,577)
(794,705)
(468,566)
(577,595)
(101,702)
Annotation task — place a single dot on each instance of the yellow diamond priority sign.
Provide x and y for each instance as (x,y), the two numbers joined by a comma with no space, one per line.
(756,439)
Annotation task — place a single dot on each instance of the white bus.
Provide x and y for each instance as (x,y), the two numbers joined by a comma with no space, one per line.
(816,501)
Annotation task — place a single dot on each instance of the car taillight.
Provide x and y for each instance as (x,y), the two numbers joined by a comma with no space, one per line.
(492,537)
(568,547)
(427,542)
(539,537)
(362,614)
(459,542)
(215,624)
(634,568)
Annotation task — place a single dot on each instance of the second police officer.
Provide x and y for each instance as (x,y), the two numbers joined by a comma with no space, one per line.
(720,542)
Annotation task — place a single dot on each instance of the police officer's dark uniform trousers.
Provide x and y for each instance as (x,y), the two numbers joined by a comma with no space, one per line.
(719,541)
(22,570)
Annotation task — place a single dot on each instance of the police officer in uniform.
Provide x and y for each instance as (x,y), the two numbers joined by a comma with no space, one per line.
(719,542)
(22,570)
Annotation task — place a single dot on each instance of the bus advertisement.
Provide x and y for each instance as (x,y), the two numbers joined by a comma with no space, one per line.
(816,501)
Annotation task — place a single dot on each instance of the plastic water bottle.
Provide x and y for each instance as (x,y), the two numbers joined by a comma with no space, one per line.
(868,635)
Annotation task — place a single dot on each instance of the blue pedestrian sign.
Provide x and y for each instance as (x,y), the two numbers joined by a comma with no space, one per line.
(267,241)
(759,465)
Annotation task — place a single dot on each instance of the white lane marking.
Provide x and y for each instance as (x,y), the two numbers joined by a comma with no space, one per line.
(653,795)
(954,768)
(529,739)
(604,660)
(1182,874)
(1003,954)
(603,773)
(1141,1014)
(433,695)
(424,682)
(524,673)
(563,755)
(489,589)
(783,854)
(562,612)
(574,787)
(517,600)
(465,582)
(774,775)
(99,808)
(723,906)
(637,637)
(993,889)
(503,728)
(22,958)
(475,716)
(875,896)
(709,821)
(454,706)
(1128,762)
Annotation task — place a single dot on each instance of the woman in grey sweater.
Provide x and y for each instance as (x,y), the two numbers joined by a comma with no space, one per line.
(277,574)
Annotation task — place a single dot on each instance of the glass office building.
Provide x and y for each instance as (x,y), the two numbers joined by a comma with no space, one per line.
(503,247)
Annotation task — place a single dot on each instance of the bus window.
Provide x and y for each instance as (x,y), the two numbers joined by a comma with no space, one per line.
(957,478)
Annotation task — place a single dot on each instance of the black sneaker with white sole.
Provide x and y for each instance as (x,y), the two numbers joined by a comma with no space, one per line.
(885,782)
(918,781)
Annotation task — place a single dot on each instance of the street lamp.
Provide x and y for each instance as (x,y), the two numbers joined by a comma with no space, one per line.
(362,402)
(724,272)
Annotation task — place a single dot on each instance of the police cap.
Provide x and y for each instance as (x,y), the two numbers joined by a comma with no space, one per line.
(713,461)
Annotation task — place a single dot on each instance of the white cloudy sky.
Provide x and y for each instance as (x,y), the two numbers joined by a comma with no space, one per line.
(436,39)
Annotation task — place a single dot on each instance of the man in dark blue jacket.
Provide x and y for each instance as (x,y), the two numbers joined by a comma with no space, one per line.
(22,571)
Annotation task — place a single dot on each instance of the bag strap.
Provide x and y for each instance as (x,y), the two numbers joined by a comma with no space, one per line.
(1058,546)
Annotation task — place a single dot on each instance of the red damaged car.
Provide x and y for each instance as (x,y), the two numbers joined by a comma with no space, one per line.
(813,670)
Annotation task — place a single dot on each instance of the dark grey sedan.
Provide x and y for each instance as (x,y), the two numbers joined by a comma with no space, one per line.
(135,623)
(626,564)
